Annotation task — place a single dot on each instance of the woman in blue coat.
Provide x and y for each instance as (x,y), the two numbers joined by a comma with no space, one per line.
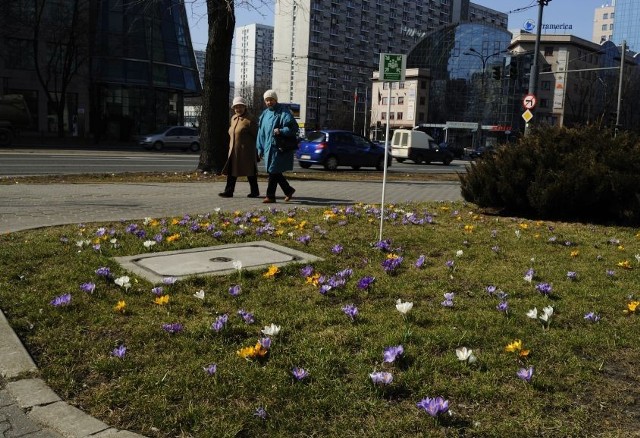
(276,120)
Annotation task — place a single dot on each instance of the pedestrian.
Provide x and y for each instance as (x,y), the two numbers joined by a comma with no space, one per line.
(242,158)
(276,120)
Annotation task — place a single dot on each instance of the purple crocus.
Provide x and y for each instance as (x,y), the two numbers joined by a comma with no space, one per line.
(366,282)
(119,352)
(490,289)
(337,249)
(60,301)
(381,378)
(351,311)
(449,264)
(503,306)
(235,290)
(544,288)
(246,316)
(169,280)
(391,353)
(304,239)
(384,245)
(390,265)
(103,271)
(434,406)
(265,342)
(525,373)
(211,369)
(611,273)
(157,291)
(88,287)
(299,373)
(260,412)
(420,262)
(571,275)
(172,328)
(448,299)
(591,316)
(220,322)
(217,234)
(307,271)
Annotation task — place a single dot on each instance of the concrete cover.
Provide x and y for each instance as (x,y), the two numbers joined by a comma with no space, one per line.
(213,260)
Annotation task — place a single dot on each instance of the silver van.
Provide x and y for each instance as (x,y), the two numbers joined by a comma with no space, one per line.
(419,147)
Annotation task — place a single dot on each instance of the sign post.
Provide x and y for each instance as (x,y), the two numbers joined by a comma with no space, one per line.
(392,68)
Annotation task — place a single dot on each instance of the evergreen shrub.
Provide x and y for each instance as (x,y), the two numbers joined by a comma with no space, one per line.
(573,174)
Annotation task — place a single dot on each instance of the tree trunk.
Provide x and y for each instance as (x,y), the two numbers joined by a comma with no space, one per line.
(214,122)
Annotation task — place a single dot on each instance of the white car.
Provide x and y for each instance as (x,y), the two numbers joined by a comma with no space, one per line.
(173,136)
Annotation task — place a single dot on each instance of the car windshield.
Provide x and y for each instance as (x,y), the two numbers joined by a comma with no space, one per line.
(316,137)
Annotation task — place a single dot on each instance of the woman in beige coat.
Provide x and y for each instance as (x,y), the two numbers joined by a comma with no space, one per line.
(242,160)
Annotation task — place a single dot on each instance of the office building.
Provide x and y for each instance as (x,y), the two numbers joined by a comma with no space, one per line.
(325,51)
(118,69)
(603,18)
(201,56)
(627,24)
(252,59)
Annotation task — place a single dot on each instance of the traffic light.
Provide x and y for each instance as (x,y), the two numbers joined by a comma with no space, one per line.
(497,73)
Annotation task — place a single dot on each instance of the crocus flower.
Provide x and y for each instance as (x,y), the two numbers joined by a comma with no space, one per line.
(304,239)
(162,300)
(571,275)
(591,316)
(173,328)
(88,287)
(123,282)
(265,342)
(299,373)
(199,295)
(525,373)
(260,412)
(547,313)
(235,290)
(528,276)
(307,271)
(381,378)
(405,307)
(351,311)
(503,306)
(271,330)
(448,299)
(211,369)
(390,264)
(434,406)
(533,313)
(169,280)
(119,352)
(449,264)
(544,288)
(337,249)
(220,322)
(490,289)
(60,301)
(366,282)
(271,272)
(149,243)
(246,316)
(103,272)
(157,290)
(465,354)
(391,353)
(120,307)
(420,262)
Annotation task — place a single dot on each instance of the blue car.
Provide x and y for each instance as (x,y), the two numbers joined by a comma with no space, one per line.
(333,148)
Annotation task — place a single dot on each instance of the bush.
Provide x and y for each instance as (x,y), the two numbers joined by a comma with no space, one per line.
(577,174)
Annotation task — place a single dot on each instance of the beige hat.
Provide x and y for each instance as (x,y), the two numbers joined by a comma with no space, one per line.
(238,101)
(270,93)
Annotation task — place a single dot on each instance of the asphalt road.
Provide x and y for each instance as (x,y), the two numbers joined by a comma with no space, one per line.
(33,162)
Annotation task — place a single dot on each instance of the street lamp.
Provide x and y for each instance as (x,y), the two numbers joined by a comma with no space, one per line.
(483,59)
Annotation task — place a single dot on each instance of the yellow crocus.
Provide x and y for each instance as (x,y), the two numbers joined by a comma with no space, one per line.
(514,346)
(120,306)
(273,270)
(633,305)
(164,299)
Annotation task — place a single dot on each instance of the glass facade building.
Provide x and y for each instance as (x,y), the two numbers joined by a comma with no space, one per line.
(466,63)
(627,24)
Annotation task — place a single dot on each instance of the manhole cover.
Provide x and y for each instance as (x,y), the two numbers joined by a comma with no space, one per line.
(213,260)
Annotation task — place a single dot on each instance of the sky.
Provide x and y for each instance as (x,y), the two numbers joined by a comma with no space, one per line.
(556,12)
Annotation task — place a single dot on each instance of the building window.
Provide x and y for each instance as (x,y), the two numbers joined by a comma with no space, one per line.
(605,16)
(422,100)
(612,15)
(399,116)
(604,27)
(400,100)
(545,85)
(383,116)
(391,116)
(544,103)
(548,51)
(611,26)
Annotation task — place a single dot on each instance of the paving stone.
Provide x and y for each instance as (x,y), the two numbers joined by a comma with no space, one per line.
(31,392)
(115,433)
(14,359)
(67,420)
(20,423)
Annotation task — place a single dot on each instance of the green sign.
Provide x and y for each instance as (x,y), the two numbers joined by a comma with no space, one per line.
(392,67)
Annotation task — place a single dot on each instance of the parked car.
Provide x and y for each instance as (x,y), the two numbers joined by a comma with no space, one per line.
(417,146)
(172,136)
(479,152)
(333,148)
(455,149)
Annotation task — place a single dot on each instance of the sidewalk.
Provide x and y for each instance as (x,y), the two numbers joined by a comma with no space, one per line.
(27,406)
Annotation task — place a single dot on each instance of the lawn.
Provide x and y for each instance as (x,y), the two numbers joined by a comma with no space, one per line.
(457,323)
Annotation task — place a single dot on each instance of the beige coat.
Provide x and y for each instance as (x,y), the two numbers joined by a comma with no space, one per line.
(242,160)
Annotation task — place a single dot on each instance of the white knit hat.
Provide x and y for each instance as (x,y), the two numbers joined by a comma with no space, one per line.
(270,93)
(238,101)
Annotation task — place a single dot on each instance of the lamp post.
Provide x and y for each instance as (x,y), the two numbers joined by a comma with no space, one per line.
(483,59)
(533,79)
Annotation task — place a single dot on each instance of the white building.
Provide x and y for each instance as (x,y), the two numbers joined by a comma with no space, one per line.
(327,50)
(252,59)
(603,18)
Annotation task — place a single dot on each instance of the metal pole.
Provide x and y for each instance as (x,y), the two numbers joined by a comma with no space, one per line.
(533,78)
(366,100)
(355,105)
(622,57)
(384,173)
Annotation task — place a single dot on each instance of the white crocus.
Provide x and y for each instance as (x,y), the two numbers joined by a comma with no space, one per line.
(405,307)
(237,265)
(547,313)
(533,313)
(147,220)
(459,253)
(465,354)
(123,281)
(149,243)
(271,330)
(199,295)
(517,233)
(638,258)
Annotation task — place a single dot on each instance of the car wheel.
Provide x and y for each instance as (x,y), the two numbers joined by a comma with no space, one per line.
(6,137)
(304,165)
(446,161)
(158,145)
(331,163)
(418,159)
(355,167)
(194,147)
(400,160)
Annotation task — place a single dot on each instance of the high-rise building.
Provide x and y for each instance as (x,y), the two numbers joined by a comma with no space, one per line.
(252,59)
(627,24)
(201,56)
(603,18)
(325,51)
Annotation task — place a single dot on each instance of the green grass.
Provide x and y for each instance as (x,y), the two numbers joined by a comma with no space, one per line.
(585,381)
